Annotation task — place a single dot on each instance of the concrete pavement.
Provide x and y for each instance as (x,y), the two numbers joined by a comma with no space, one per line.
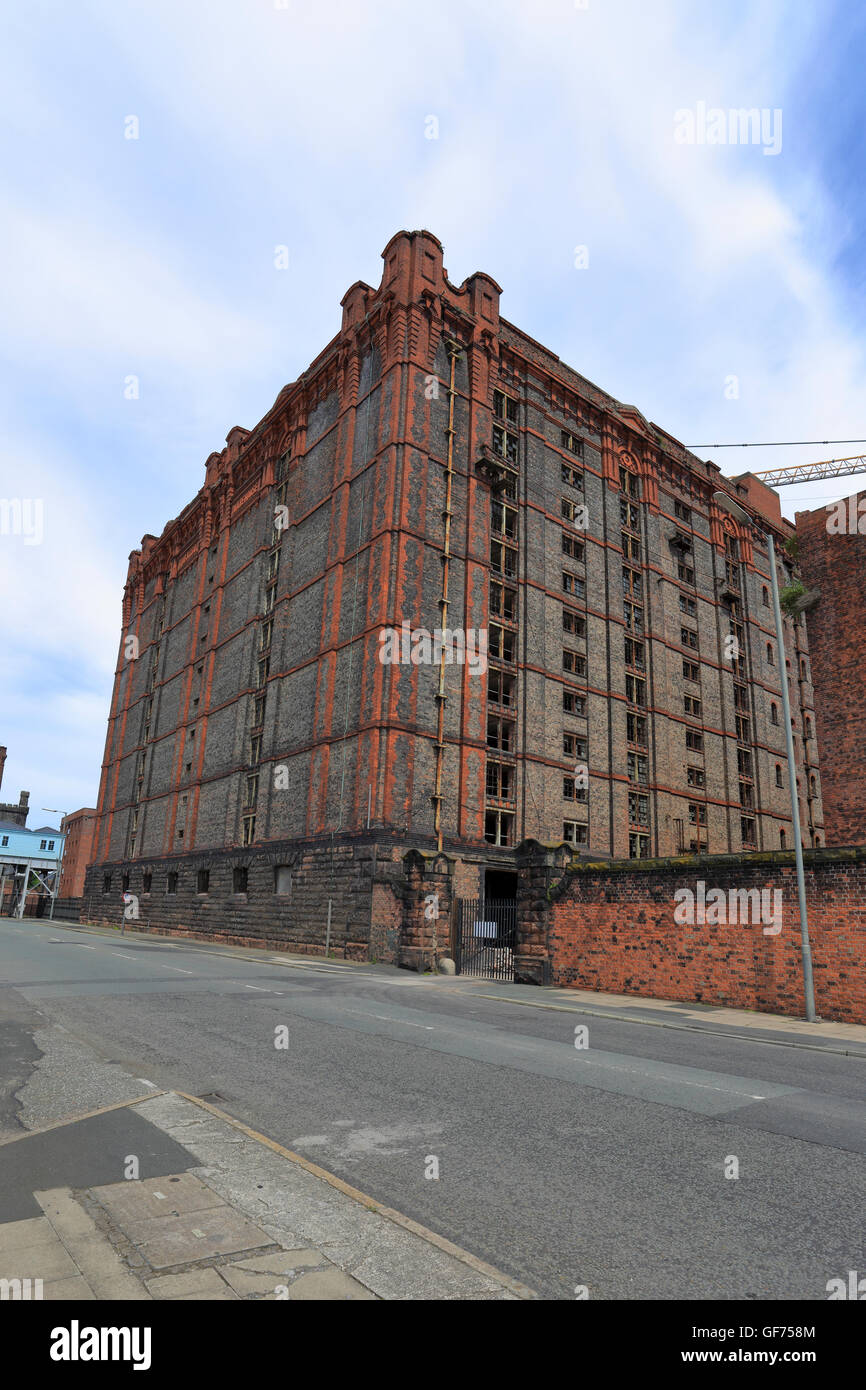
(223,1214)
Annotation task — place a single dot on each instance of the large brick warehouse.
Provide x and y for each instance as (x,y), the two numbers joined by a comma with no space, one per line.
(268,776)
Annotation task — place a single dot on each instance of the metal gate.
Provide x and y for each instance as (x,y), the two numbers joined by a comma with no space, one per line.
(486,932)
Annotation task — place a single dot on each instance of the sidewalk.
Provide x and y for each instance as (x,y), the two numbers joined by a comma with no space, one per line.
(217,1212)
(779,1029)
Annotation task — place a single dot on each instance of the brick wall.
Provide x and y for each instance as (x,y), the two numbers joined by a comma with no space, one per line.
(610,926)
(834,562)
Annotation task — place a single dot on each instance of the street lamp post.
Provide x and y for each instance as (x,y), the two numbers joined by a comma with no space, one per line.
(723,500)
(62,814)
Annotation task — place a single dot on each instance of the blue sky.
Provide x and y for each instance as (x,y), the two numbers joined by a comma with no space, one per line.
(305,126)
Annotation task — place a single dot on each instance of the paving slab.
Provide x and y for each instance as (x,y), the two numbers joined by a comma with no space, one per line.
(327,1284)
(198,1235)
(129,1203)
(197,1283)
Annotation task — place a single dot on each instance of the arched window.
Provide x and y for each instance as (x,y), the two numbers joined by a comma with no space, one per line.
(778,774)
(774,714)
(781,839)
(770,661)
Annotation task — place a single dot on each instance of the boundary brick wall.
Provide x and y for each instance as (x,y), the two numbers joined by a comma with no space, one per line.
(610,927)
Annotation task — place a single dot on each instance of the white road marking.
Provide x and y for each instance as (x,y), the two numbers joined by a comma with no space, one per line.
(259,988)
(362,1013)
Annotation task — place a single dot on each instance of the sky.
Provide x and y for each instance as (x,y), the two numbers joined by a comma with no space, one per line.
(156,154)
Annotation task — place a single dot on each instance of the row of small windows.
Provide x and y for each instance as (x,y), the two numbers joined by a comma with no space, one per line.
(282,881)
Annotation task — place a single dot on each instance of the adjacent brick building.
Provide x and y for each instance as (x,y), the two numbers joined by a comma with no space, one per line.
(265,772)
(78,827)
(832,555)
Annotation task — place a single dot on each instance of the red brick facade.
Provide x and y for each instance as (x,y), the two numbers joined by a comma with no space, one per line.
(436,466)
(832,557)
(78,827)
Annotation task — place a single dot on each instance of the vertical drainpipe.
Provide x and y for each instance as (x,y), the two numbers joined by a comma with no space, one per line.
(453,353)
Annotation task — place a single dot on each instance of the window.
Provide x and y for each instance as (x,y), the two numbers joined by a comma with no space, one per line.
(747,830)
(770,658)
(282,880)
(43,844)
(635,654)
(571,443)
(171,884)
(697,814)
(500,733)
(571,791)
(258,711)
(572,511)
(203,883)
(774,714)
(628,483)
(503,520)
(744,762)
(804,671)
(681,510)
(251,790)
(500,781)
(572,476)
(696,777)
(248,829)
(503,560)
(765,596)
(573,662)
(499,827)
(572,548)
(5,840)
(573,746)
(638,809)
(267,632)
(741,698)
(685,574)
(500,688)
(635,690)
(689,638)
(807,733)
(778,774)
(636,729)
(106,884)
(503,601)
(694,740)
(638,846)
(571,584)
(262,670)
(573,832)
(630,546)
(239,879)
(501,643)
(638,767)
(781,839)
(504,408)
(572,703)
(629,516)
(691,671)
(255,749)
(688,605)
(744,729)
(573,622)
(632,583)
(747,795)
(813,787)
(692,706)
(633,617)
(504,443)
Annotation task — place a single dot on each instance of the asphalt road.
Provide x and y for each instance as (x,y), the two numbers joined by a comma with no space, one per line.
(602,1167)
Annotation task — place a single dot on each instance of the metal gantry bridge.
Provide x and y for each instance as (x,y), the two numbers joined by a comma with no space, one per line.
(811,472)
